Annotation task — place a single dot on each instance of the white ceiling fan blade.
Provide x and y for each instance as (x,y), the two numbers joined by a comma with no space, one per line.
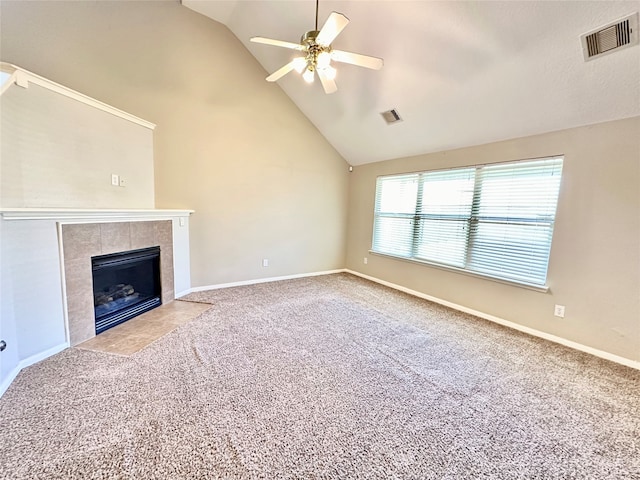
(282,71)
(278,43)
(366,61)
(327,83)
(331,28)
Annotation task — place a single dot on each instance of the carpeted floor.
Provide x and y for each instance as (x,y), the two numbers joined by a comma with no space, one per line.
(325,377)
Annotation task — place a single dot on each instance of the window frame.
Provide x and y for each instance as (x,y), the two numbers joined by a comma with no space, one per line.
(555,163)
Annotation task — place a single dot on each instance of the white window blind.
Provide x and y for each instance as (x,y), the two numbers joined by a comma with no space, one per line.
(495,220)
(443,216)
(395,210)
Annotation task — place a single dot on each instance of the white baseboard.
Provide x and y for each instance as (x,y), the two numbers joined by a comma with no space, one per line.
(256,281)
(531,331)
(10,378)
(28,362)
(183,293)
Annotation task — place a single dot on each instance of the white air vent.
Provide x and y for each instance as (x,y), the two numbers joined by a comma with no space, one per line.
(611,37)
(391,116)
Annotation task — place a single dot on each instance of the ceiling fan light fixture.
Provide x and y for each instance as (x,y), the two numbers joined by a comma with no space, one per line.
(324,59)
(308,75)
(299,64)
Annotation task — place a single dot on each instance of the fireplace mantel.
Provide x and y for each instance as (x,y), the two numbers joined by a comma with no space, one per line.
(89,215)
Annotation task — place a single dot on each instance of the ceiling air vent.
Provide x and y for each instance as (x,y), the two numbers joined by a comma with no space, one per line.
(391,116)
(609,38)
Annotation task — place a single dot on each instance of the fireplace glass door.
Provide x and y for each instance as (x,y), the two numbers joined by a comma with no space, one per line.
(125,285)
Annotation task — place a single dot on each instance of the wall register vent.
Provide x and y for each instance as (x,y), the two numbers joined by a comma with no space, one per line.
(391,116)
(611,37)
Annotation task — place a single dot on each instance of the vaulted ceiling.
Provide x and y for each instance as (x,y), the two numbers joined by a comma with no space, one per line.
(459,73)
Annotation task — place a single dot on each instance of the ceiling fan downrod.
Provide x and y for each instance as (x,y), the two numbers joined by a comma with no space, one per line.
(313,49)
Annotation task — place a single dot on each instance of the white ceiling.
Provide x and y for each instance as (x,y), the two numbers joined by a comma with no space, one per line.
(459,73)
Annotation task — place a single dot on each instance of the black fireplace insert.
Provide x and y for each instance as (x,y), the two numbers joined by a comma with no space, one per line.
(125,285)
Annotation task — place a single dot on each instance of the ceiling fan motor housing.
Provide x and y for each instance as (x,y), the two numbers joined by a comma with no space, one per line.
(313,48)
(309,38)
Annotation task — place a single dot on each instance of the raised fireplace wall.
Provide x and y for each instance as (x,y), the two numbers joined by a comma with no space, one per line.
(35,320)
(80,242)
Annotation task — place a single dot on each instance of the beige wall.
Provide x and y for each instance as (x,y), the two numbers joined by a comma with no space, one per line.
(263,181)
(594,267)
(57,152)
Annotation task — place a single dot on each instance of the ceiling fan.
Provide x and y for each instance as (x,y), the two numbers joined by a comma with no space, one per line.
(317,53)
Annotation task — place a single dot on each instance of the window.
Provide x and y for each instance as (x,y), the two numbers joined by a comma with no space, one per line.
(494,220)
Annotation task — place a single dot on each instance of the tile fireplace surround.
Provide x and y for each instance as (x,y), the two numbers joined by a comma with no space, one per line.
(80,242)
(46,293)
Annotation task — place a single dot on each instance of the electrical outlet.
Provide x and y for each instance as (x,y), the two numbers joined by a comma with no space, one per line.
(558,311)
(365,260)
(265,262)
(115,180)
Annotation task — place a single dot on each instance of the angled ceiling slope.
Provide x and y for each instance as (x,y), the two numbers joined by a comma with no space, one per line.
(460,73)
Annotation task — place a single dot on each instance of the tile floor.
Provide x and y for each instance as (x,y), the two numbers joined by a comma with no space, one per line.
(132,336)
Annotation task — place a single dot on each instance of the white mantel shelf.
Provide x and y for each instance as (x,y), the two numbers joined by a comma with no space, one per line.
(72,214)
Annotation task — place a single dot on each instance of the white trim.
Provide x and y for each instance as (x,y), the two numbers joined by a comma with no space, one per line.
(27,362)
(13,78)
(22,78)
(87,214)
(9,379)
(63,280)
(521,328)
(256,281)
(183,293)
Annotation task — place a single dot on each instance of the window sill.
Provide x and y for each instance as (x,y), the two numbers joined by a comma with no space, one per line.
(528,286)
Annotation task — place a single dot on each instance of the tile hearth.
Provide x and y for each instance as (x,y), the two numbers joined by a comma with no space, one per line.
(135,334)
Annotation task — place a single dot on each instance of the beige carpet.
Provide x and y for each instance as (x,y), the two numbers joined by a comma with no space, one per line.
(326,377)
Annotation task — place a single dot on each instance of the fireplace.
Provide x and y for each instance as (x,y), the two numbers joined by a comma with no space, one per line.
(125,285)
(82,241)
